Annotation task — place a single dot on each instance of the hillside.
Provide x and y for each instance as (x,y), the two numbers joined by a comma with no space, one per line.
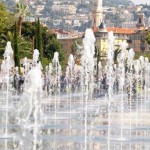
(55,19)
(116,2)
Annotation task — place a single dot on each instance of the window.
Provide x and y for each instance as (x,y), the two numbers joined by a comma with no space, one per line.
(140,20)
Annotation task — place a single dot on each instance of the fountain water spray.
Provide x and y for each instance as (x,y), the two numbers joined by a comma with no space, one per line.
(84,108)
(7,69)
(110,73)
(87,62)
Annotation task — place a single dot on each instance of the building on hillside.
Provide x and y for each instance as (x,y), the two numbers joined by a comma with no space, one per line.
(138,8)
(67,39)
(64,9)
(134,37)
(67,44)
(76,20)
(140,20)
(101,33)
(39,8)
(129,24)
(137,40)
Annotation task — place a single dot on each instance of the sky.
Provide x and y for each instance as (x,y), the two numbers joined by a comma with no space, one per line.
(141,1)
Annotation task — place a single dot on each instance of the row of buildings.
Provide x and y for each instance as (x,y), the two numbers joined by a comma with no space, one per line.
(77,15)
(60,13)
(131,32)
(134,37)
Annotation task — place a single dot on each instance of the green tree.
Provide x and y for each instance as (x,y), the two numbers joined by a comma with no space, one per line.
(29,31)
(24,44)
(148,38)
(4,38)
(48,41)
(145,54)
(25,47)
(6,18)
(55,46)
(22,11)
(16,52)
(39,39)
(116,52)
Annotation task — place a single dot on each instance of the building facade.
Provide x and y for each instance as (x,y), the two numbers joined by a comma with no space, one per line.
(134,37)
(67,39)
(121,36)
(137,40)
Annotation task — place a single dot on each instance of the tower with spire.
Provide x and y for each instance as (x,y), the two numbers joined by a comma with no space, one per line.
(97,13)
(140,20)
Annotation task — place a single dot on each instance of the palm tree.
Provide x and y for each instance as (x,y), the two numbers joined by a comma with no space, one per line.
(116,52)
(23,44)
(22,11)
(4,37)
(29,30)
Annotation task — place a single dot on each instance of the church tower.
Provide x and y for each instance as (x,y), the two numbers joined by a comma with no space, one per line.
(140,20)
(97,13)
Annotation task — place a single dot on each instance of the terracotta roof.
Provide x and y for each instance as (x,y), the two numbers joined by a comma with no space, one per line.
(121,30)
(60,31)
(118,30)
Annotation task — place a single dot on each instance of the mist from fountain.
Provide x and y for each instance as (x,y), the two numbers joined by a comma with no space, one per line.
(90,106)
(6,71)
(87,78)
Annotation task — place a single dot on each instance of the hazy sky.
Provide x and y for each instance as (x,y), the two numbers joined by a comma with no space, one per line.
(141,1)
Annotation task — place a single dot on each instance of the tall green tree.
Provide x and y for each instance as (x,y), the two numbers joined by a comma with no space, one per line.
(45,39)
(22,11)
(148,38)
(16,49)
(39,39)
(29,31)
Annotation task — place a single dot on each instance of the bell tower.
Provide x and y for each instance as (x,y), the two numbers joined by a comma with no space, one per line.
(97,13)
(140,20)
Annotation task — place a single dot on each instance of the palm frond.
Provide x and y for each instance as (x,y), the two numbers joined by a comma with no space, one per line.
(22,10)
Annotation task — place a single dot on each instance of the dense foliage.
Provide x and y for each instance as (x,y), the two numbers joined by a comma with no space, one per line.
(148,38)
(39,39)
(16,52)
(6,18)
(145,54)
(48,41)
(31,35)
